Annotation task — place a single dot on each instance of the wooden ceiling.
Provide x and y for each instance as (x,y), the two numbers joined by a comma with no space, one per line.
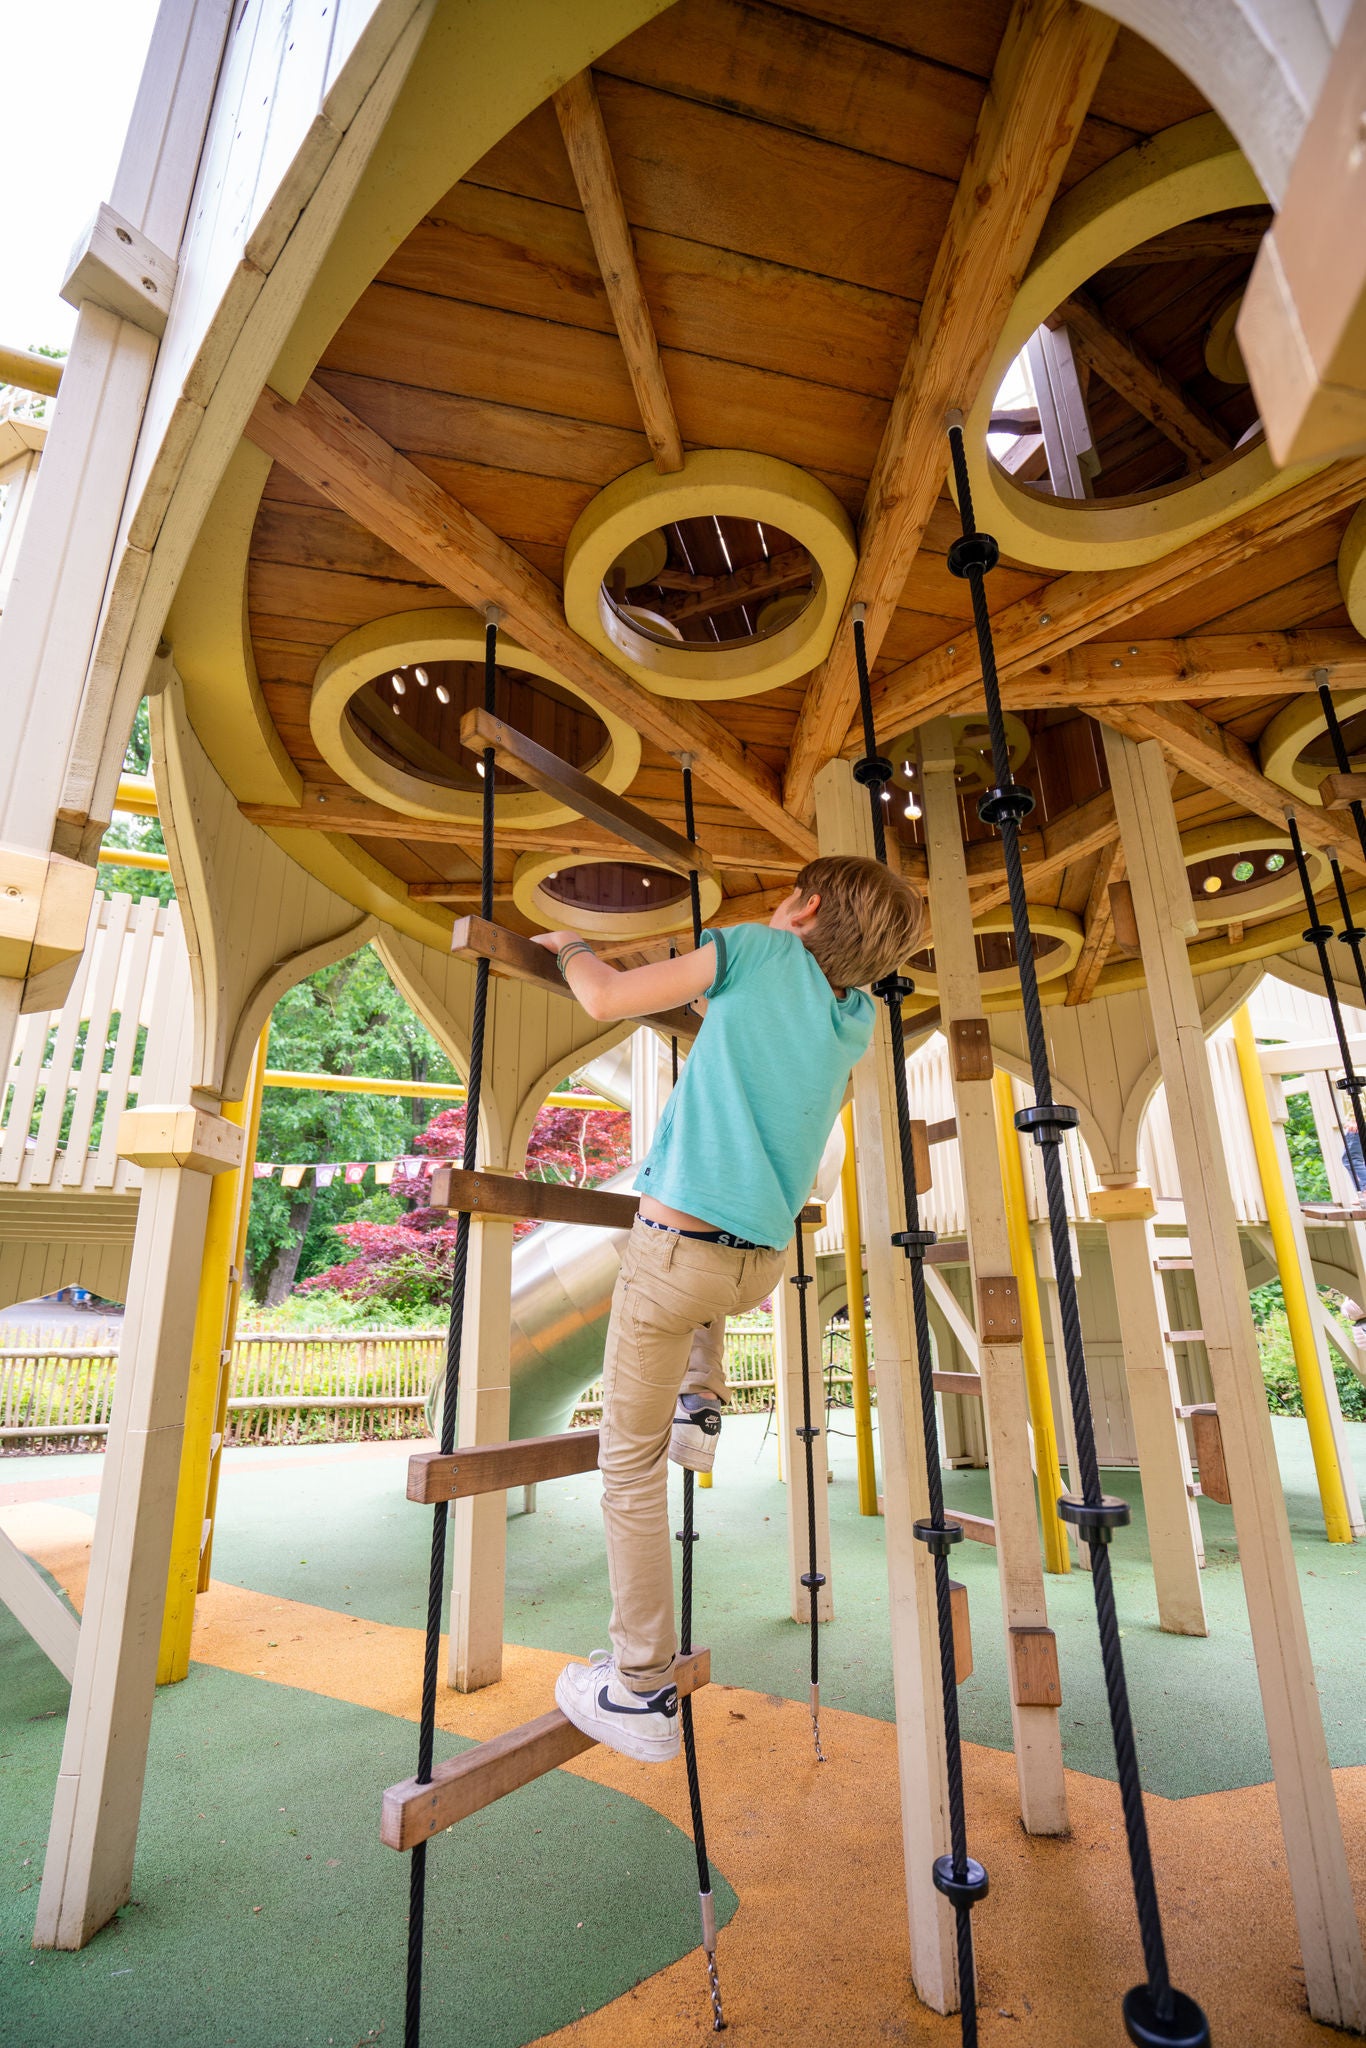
(788,174)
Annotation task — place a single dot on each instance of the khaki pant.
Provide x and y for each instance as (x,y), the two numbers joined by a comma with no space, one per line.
(666,1336)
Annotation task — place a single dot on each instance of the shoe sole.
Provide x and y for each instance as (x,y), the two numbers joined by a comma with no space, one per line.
(610,1735)
(693,1451)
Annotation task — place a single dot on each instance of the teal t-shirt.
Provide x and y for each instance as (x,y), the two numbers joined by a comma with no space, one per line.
(742,1134)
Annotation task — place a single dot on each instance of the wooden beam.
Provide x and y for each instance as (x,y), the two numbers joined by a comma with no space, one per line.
(1093,602)
(1073,835)
(492,1468)
(539,1201)
(335,453)
(718,593)
(1338,791)
(1099,925)
(537,766)
(755,908)
(969,1383)
(1132,375)
(518,959)
(1050,59)
(1226,763)
(1196,665)
(467,1783)
(977,1528)
(590,159)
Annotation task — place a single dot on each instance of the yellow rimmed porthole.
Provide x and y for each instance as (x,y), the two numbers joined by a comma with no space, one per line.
(1188,171)
(607,899)
(388,700)
(1057,939)
(723,580)
(1243,870)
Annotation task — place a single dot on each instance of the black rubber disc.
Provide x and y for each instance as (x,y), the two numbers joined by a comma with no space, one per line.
(1187,2027)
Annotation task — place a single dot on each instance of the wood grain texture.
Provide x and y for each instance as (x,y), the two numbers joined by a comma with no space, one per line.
(541,1201)
(509,954)
(1050,60)
(413,1813)
(492,1468)
(1134,376)
(1034,1676)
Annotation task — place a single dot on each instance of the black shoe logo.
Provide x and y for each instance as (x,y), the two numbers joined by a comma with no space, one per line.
(656,1703)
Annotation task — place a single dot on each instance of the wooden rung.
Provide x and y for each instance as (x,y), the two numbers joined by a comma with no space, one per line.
(950,1251)
(413,1813)
(940,1133)
(1181,1263)
(509,954)
(1209,1453)
(1338,790)
(1184,1336)
(962,1631)
(523,758)
(958,1383)
(977,1528)
(492,1468)
(539,1201)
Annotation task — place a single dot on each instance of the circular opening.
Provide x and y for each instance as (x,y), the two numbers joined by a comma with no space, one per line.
(1320,754)
(995,952)
(1233,874)
(711,581)
(410,717)
(614,887)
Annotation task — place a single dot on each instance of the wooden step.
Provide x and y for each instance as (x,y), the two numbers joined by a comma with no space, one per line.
(1184,1336)
(537,1201)
(492,1468)
(413,1813)
(530,763)
(958,1383)
(941,1133)
(977,1528)
(517,959)
(1179,1262)
(1334,1212)
(1208,1438)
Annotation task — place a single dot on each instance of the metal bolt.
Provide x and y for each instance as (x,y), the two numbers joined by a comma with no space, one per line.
(1116,663)
(953,650)
(147,285)
(1133,650)
(1045,618)
(123,235)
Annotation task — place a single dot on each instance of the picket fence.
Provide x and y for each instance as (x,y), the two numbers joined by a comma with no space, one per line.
(57,1386)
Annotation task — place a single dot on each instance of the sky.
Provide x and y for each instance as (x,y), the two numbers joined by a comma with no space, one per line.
(65,121)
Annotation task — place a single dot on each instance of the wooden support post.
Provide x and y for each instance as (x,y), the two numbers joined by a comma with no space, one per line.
(479,1564)
(1150,1376)
(1042,1238)
(1330,1940)
(844,826)
(1037,1737)
(789,1304)
(88,1872)
(37,1608)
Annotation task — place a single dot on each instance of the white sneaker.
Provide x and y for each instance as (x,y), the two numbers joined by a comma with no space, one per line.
(697,1425)
(641,1725)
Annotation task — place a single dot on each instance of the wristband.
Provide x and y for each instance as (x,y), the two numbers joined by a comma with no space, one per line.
(570,952)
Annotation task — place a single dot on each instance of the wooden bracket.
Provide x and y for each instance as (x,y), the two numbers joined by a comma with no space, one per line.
(1123,916)
(1209,1453)
(517,959)
(540,1201)
(812,1216)
(970,1049)
(114,265)
(492,1468)
(962,1631)
(1122,1205)
(998,1309)
(920,1155)
(536,765)
(1337,791)
(1034,1677)
(413,1813)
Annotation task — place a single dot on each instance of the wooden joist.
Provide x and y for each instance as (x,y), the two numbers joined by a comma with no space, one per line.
(1338,792)
(1050,59)
(1144,385)
(1099,925)
(413,1813)
(518,959)
(492,1468)
(537,766)
(1099,672)
(976,1528)
(1080,830)
(324,444)
(537,1201)
(590,159)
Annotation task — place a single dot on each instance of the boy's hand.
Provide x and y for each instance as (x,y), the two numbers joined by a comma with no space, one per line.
(552,941)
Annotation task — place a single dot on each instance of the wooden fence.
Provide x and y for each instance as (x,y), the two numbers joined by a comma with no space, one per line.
(58,1385)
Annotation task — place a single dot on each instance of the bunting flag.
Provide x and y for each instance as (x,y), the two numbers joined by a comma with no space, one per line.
(291,1176)
(354,1173)
(384,1171)
(324,1176)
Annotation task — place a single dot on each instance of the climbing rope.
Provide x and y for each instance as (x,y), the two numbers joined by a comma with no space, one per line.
(958,1876)
(436,1580)
(1154,2012)
(1318,935)
(811,1578)
(687,1536)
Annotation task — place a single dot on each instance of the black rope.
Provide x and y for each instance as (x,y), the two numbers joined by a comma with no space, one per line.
(436,1578)
(960,1878)
(688,1536)
(1318,934)
(812,1579)
(1154,2012)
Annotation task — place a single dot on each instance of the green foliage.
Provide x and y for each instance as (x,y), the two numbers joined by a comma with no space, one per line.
(1306,1156)
(1283,1395)
(142,834)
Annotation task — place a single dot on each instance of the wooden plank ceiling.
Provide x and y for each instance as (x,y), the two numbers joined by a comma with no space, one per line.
(788,175)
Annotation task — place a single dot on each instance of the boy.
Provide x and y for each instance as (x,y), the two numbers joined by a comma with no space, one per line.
(731,1164)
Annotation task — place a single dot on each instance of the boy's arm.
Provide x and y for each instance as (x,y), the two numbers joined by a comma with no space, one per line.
(609,993)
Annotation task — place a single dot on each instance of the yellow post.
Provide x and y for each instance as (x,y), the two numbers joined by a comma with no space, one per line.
(1055,1552)
(1297,1309)
(858,1332)
(226,1199)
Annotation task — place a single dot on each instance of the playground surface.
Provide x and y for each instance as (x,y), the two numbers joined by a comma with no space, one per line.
(266,1912)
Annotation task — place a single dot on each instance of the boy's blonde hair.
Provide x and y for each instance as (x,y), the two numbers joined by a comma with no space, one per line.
(868,922)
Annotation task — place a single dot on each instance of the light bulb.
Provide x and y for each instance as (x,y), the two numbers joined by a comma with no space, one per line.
(421,675)
(478,767)
(645,881)
(912,810)
(397,713)
(907,769)
(886,796)
(1213,884)
(400,686)
(443,695)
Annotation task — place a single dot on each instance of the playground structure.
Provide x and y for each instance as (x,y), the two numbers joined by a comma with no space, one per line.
(297,568)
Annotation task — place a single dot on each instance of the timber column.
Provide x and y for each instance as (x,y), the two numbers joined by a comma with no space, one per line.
(1163,1461)
(479,1566)
(1032,1656)
(1330,1941)
(792,1304)
(88,1872)
(844,826)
